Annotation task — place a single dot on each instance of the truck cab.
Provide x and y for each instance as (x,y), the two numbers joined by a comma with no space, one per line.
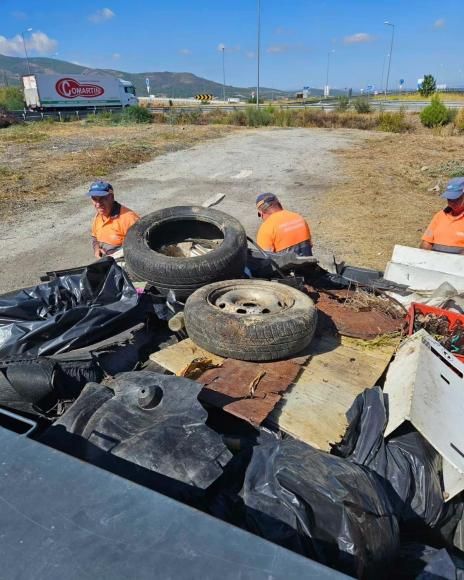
(128,96)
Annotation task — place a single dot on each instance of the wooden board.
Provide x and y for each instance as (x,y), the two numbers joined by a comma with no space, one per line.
(177,357)
(314,408)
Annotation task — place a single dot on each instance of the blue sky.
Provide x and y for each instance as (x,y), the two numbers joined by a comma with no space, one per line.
(296,36)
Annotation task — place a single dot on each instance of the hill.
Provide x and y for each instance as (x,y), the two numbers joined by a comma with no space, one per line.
(166,84)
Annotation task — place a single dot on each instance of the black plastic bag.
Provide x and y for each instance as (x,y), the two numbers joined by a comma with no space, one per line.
(423,562)
(320,506)
(407,462)
(69,312)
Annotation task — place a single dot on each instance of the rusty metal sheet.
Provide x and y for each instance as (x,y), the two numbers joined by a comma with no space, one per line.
(248,390)
(335,316)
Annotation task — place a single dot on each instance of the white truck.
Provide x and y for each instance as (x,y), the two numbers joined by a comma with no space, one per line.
(54,92)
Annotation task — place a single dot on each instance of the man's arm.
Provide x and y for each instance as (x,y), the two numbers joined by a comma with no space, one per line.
(425,245)
(265,239)
(97,251)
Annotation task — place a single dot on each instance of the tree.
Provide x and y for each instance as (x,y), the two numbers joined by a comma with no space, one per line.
(428,86)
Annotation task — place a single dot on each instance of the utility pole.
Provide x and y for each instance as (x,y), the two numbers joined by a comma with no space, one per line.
(258,51)
(223,75)
(387,23)
(25,50)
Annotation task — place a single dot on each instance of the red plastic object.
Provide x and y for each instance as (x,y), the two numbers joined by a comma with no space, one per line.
(453,317)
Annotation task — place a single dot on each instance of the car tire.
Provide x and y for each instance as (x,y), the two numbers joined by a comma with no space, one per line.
(180,274)
(251,320)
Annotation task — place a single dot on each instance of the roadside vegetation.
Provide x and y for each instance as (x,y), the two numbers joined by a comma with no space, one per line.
(11,98)
(391,185)
(39,159)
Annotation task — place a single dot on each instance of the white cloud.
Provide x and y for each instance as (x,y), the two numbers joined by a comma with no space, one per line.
(37,42)
(185,52)
(440,23)
(115,56)
(283,31)
(221,46)
(251,54)
(359,38)
(277,49)
(19,15)
(102,15)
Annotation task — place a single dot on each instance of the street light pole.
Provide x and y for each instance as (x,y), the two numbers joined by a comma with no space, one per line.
(258,51)
(223,76)
(25,50)
(390,55)
(327,75)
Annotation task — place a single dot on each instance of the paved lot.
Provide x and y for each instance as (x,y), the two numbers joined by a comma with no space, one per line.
(296,164)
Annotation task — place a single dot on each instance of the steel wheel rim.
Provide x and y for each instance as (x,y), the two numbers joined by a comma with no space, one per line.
(255,300)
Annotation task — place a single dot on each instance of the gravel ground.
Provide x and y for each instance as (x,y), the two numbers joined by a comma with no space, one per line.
(297,164)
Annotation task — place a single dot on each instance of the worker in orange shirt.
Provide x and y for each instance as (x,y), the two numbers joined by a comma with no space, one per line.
(446,230)
(282,231)
(111,222)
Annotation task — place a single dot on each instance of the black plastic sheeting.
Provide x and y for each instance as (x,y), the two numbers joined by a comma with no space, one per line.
(153,424)
(423,562)
(69,312)
(351,510)
(46,386)
(407,462)
(318,505)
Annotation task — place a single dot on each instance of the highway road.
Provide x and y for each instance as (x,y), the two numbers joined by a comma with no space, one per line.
(330,105)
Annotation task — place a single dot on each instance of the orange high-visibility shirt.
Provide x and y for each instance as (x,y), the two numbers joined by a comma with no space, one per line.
(282,230)
(446,232)
(112,230)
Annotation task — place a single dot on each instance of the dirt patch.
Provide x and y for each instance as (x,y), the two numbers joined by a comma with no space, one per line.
(41,159)
(388,194)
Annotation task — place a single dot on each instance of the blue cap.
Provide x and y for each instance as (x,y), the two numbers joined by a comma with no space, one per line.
(264,200)
(99,189)
(454,189)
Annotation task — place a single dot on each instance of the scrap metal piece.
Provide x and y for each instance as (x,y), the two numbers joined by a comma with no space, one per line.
(230,386)
(340,317)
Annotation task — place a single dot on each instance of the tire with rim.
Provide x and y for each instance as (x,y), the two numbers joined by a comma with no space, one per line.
(146,239)
(251,320)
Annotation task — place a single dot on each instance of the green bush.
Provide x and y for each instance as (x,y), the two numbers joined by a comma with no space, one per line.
(393,122)
(362,105)
(343,103)
(435,114)
(11,98)
(136,115)
(258,117)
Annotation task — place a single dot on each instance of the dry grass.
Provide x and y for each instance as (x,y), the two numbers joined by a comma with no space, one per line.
(38,160)
(385,197)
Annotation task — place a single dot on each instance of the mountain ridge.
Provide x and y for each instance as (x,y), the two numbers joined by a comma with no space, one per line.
(166,84)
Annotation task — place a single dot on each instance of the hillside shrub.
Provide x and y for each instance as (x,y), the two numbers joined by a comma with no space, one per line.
(362,105)
(436,114)
(11,98)
(393,122)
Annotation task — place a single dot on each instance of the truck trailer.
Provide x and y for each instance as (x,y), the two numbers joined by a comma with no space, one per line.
(53,92)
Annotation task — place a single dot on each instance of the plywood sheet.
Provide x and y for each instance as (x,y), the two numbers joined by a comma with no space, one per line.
(314,408)
(177,357)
